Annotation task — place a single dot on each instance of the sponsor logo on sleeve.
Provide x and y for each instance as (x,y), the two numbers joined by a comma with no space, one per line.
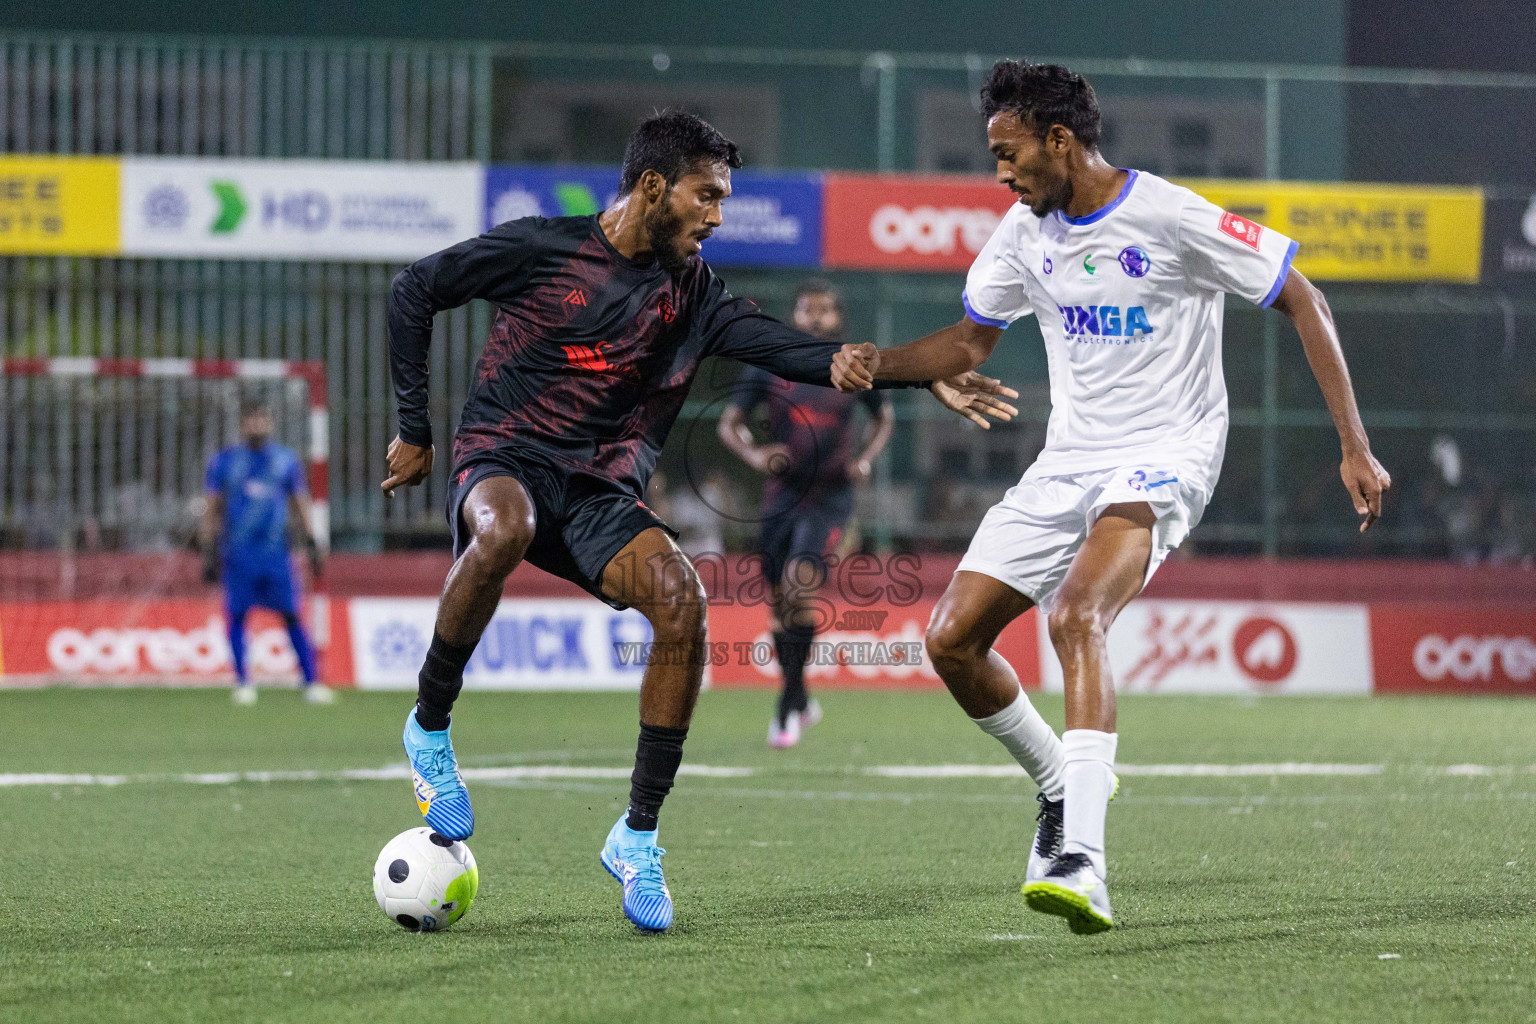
(1241,228)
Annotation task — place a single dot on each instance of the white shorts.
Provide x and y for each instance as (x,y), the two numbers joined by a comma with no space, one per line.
(1028,539)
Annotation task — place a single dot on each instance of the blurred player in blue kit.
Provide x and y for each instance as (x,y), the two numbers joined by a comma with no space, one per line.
(812,471)
(251,489)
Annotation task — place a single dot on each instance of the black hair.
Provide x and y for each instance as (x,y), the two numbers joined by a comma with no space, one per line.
(1042,95)
(673,143)
(818,286)
(253,407)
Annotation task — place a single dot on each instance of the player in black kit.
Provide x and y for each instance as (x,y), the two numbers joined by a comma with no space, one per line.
(600,325)
(812,471)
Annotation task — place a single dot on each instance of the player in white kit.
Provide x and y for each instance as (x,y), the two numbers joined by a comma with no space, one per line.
(1127,274)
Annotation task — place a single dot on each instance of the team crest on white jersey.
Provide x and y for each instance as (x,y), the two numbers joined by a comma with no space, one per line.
(1135,261)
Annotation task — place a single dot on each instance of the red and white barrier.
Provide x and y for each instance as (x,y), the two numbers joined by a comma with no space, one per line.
(547,635)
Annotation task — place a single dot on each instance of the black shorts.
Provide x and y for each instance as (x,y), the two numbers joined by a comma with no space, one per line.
(581,521)
(802,527)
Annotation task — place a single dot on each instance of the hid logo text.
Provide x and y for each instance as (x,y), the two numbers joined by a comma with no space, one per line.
(1106,322)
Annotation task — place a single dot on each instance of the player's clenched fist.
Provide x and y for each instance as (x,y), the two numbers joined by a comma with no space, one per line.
(854,366)
(408,465)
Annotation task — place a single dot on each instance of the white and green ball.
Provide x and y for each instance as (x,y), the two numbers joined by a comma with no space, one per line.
(425,881)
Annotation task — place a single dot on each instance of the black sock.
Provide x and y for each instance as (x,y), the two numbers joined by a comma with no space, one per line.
(656,759)
(793,647)
(441,679)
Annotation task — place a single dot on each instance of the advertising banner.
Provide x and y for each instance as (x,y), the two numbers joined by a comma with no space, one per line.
(53,205)
(1509,257)
(1450,649)
(876,646)
(770,220)
(297,209)
(545,644)
(909,222)
(1347,232)
(515,191)
(173,641)
(1161,646)
(1352,232)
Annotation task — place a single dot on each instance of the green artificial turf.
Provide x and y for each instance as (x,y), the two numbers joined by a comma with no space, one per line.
(808,890)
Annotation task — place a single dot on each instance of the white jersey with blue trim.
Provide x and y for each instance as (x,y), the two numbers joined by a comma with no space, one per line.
(1130,301)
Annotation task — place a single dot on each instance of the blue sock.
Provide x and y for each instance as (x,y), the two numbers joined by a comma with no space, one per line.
(237,643)
(301,647)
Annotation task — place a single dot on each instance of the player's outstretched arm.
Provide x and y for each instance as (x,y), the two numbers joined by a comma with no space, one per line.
(945,353)
(1364,477)
(947,357)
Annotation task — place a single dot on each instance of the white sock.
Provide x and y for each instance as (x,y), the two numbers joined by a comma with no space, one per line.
(1090,781)
(1031,741)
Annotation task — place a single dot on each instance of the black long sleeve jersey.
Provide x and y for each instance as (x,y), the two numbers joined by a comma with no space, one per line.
(590,354)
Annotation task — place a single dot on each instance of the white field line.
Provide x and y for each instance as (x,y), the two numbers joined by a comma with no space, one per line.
(1231,804)
(532,773)
(987,771)
(391,772)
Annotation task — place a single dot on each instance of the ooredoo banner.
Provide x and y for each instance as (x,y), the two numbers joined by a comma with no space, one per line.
(909,222)
(1163,646)
(1441,649)
(173,641)
(297,209)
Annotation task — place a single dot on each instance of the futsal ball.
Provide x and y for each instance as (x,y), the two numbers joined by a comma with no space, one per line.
(425,881)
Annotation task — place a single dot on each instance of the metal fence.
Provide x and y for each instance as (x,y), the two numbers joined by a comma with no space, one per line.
(1431,363)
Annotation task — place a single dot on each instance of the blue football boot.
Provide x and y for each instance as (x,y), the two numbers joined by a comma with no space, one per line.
(635,860)
(440,791)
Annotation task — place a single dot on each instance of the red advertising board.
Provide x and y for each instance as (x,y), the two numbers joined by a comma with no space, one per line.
(909,222)
(875,646)
(182,641)
(1453,649)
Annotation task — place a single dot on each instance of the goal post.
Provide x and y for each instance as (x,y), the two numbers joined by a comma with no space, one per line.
(99,502)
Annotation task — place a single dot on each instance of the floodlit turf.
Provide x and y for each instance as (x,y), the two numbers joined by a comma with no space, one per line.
(808,890)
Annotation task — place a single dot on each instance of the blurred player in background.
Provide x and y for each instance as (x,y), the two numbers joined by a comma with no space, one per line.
(600,325)
(251,489)
(812,469)
(1127,274)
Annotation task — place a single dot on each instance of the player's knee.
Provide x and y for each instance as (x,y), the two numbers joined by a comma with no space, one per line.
(949,645)
(680,615)
(1075,622)
(503,538)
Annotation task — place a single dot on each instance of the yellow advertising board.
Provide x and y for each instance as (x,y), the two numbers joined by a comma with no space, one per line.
(59,205)
(1354,232)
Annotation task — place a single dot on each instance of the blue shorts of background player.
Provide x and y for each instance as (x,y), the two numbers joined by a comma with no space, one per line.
(268,585)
